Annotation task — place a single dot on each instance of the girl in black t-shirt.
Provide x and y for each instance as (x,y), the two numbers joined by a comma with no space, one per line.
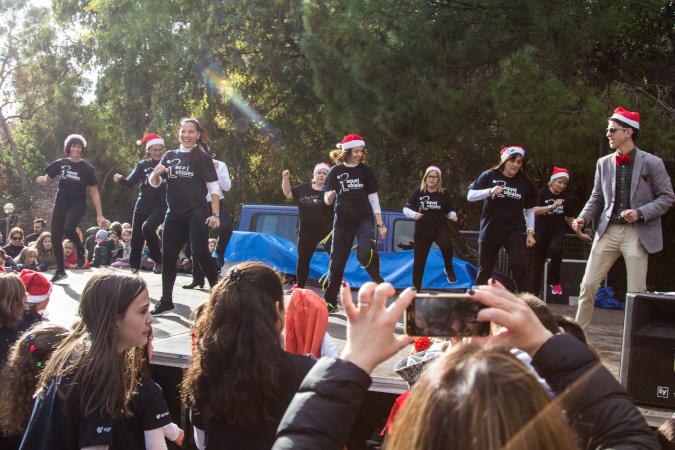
(508,190)
(90,377)
(241,380)
(352,186)
(75,175)
(431,207)
(189,175)
(554,208)
(315,218)
(150,207)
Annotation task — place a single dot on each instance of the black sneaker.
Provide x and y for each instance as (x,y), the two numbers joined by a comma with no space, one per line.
(81,260)
(162,307)
(134,271)
(59,275)
(452,278)
(220,259)
(157,269)
(331,308)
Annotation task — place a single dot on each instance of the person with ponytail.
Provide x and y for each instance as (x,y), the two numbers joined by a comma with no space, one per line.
(352,187)
(508,191)
(91,376)
(315,218)
(190,175)
(75,175)
(150,207)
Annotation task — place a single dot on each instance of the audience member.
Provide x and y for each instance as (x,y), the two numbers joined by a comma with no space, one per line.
(70,257)
(666,435)
(91,376)
(123,259)
(12,306)
(38,290)
(116,227)
(25,362)
(90,242)
(126,226)
(238,340)
(569,325)
(306,327)
(102,251)
(474,396)
(150,422)
(27,260)
(45,253)
(15,245)
(8,263)
(39,227)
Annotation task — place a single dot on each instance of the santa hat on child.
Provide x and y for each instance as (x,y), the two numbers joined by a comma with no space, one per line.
(351,141)
(150,139)
(560,172)
(430,168)
(627,117)
(321,165)
(70,138)
(507,152)
(37,285)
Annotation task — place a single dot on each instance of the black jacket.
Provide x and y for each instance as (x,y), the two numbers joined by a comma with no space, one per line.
(599,409)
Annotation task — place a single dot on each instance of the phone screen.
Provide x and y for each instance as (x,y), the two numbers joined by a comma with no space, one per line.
(444,315)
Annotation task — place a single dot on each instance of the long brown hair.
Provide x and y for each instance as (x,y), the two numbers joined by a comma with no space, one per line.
(523,172)
(339,156)
(89,356)
(233,377)
(201,140)
(12,300)
(39,245)
(480,398)
(20,375)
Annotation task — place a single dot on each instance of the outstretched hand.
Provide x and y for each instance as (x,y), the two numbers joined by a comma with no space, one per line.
(117,177)
(523,329)
(370,331)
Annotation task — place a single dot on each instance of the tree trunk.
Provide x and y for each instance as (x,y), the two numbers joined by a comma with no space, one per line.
(23,181)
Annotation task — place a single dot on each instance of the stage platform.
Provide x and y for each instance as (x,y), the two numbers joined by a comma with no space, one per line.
(172,330)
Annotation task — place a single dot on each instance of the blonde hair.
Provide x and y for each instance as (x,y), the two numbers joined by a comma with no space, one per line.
(339,156)
(481,398)
(212,241)
(26,253)
(423,186)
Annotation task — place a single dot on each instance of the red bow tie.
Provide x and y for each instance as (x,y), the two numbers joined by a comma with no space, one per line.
(623,159)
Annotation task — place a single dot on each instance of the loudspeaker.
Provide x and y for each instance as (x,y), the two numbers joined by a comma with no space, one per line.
(648,350)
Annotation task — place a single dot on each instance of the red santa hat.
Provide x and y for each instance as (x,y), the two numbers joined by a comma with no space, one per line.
(150,139)
(2,270)
(37,285)
(560,172)
(627,117)
(351,141)
(430,168)
(70,138)
(507,152)
(321,165)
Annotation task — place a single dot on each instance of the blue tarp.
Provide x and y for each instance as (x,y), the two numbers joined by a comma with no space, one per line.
(396,267)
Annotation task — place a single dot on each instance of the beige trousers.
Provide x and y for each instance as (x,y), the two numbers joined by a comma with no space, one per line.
(617,240)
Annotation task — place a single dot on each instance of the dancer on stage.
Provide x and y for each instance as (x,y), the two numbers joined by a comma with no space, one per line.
(315,218)
(632,191)
(75,175)
(352,186)
(190,175)
(150,207)
(508,190)
(554,208)
(431,207)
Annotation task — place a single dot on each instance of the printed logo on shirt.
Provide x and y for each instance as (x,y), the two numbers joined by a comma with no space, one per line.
(346,184)
(311,200)
(426,204)
(508,191)
(556,210)
(148,173)
(176,171)
(68,174)
(100,430)
(159,416)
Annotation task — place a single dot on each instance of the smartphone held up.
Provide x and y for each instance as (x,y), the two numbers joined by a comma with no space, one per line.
(444,315)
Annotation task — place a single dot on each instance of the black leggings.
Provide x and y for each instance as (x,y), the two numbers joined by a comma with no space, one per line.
(307,242)
(487,256)
(421,252)
(65,221)
(144,228)
(539,252)
(225,231)
(175,235)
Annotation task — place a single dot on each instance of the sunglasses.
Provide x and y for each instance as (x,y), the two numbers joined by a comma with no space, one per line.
(611,130)
(16,238)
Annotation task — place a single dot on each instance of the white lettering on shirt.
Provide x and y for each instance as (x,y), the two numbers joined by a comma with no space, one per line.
(69,174)
(556,210)
(508,191)
(175,171)
(426,204)
(346,184)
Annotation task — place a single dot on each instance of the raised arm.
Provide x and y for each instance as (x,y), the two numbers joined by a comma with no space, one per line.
(286,184)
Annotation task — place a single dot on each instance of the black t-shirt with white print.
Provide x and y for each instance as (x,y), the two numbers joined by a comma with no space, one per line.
(149,413)
(74,178)
(313,212)
(503,218)
(186,182)
(434,207)
(553,221)
(50,429)
(149,197)
(352,185)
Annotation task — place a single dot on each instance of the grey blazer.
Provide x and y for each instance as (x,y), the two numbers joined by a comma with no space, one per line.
(651,191)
